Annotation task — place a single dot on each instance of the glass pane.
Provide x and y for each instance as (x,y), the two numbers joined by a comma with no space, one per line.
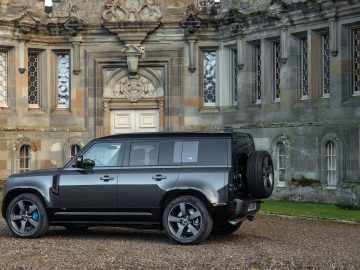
(105,154)
(326,64)
(257,70)
(356,59)
(170,153)
(144,154)
(33,79)
(190,152)
(209,77)
(3,78)
(234,56)
(304,67)
(63,80)
(276,70)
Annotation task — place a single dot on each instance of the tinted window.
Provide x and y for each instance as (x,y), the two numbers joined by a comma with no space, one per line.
(144,154)
(205,152)
(170,153)
(105,154)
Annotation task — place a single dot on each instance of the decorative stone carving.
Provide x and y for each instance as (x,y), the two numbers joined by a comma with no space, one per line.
(191,25)
(27,23)
(132,21)
(134,88)
(131,11)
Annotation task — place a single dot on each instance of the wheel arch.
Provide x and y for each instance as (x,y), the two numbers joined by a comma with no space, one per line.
(18,191)
(169,196)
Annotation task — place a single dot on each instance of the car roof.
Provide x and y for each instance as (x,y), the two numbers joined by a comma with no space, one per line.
(152,135)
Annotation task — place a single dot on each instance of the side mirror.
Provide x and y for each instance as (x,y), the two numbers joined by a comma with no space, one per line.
(88,164)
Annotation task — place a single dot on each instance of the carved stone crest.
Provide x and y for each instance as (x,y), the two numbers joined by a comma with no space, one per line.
(134,88)
(27,23)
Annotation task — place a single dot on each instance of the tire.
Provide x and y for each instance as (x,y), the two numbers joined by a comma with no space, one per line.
(260,174)
(26,216)
(227,228)
(186,220)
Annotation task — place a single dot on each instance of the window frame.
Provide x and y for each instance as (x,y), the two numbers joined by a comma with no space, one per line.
(323,65)
(56,53)
(303,39)
(257,72)
(77,151)
(40,81)
(354,91)
(26,159)
(7,55)
(331,164)
(204,50)
(276,69)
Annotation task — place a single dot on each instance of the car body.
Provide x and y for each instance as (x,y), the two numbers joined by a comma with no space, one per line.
(187,183)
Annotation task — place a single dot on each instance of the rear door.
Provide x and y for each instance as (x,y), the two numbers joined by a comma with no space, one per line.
(150,169)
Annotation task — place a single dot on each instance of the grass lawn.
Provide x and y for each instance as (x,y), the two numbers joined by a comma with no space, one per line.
(323,211)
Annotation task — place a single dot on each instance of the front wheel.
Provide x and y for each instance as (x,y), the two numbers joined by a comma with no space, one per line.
(187,220)
(26,216)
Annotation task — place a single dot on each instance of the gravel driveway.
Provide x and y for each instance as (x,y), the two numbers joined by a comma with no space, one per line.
(267,243)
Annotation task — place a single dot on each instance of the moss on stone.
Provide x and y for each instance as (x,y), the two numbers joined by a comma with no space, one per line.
(305,182)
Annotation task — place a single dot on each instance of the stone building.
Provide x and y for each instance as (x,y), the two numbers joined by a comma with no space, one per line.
(287,71)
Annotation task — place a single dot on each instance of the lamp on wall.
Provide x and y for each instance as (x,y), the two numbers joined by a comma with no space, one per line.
(48,6)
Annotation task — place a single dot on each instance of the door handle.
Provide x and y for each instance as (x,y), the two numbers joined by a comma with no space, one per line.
(159,177)
(107,178)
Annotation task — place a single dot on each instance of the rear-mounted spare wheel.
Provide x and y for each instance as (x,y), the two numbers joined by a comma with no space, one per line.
(260,174)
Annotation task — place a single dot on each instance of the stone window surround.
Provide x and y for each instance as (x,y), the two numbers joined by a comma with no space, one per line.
(42,77)
(11,71)
(340,158)
(202,49)
(54,100)
(15,164)
(284,139)
(67,147)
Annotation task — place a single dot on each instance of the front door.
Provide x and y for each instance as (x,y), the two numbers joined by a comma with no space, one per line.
(131,121)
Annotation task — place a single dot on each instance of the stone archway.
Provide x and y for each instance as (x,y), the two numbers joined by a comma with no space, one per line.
(133,103)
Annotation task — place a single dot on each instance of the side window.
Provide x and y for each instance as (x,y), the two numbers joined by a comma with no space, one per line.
(207,152)
(144,154)
(105,154)
(170,153)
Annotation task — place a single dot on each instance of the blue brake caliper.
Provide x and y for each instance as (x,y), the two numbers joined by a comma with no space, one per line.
(35,216)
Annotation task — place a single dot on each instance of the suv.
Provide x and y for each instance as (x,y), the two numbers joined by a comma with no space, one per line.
(189,184)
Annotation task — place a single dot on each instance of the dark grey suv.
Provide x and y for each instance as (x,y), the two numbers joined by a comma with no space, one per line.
(189,184)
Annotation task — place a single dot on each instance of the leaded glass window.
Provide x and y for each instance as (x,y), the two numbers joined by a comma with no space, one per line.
(325,65)
(304,68)
(75,149)
(356,61)
(281,163)
(234,71)
(331,163)
(33,79)
(276,70)
(63,75)
(3,78)
(25,158)
(209,62)
(257,71)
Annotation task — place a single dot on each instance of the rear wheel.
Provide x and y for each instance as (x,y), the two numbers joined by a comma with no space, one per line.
(26,216)
(260,174)
(187,220)
(227,228)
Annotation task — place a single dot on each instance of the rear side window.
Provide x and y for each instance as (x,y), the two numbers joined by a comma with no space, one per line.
(205,152)
(105,154)
(170,153)
(144,154)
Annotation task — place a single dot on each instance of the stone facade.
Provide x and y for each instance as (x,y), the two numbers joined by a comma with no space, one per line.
(285,71)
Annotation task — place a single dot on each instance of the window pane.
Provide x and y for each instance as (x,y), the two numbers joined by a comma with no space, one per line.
(190,152)
(144,154)
(170,153)
(304,67)
(105,154)
(276,70)
(209,77)
(63,74)
(326,64)
(3,78)
(331,163)
(33,78)
(356,60)
(257,70)
(25,158)
(234,69)
(74,150)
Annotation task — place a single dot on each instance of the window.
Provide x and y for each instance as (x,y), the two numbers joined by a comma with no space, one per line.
(280,163)
(276,70)
(75,149)
(3,79)
(144,154)
(25,158)
(170,153)
(355,61)
(325,63)
(304,85)
(209,78)
(33,79)
(257,72)
(63,80)
(331,174)
(234,72)
(105,154)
